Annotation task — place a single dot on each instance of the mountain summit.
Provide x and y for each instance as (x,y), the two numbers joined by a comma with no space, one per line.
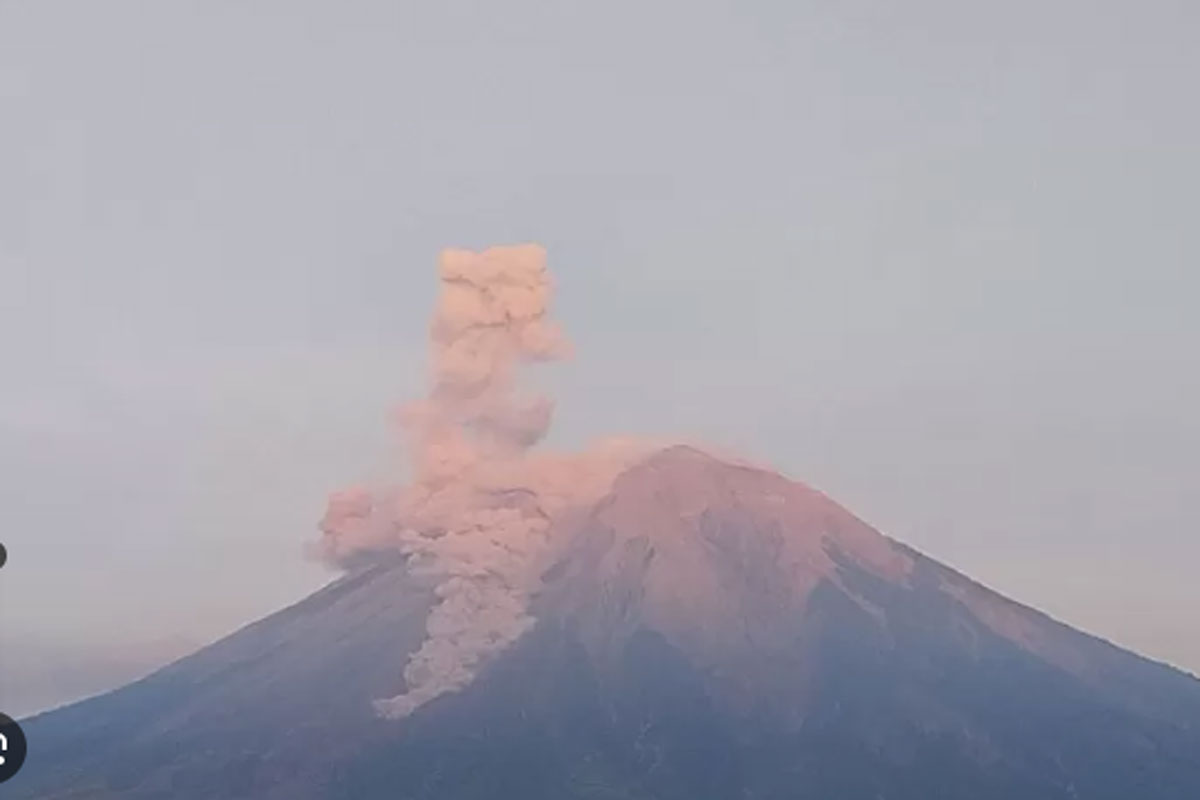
(707,630)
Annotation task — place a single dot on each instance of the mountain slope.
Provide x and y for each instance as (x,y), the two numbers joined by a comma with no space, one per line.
(710,631)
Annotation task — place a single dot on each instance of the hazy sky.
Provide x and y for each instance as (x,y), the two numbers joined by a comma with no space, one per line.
(938,259)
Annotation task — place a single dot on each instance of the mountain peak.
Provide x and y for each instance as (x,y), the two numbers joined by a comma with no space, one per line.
(683,494)
(718,558)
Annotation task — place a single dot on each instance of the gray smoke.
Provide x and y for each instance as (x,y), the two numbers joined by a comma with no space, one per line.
(480,512)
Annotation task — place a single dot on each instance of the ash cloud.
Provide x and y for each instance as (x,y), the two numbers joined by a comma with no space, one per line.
(480,511)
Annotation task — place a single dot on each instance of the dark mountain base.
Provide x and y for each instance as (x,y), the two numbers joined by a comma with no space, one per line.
(898,717)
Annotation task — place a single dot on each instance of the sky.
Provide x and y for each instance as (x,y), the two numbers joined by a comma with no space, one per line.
(936,259)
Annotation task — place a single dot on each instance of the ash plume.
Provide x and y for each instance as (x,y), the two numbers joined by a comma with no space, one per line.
(479,513)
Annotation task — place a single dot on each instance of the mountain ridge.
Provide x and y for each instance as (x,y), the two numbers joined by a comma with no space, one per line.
(706,630)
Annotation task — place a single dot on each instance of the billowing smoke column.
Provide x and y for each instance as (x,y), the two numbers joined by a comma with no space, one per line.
(491,317)
(480,511)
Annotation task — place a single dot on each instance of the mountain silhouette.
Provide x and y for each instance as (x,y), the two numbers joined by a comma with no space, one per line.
(711,630)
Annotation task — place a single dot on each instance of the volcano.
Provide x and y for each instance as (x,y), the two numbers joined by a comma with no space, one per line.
(709,630)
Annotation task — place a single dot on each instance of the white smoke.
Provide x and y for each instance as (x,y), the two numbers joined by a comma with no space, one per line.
(481,509)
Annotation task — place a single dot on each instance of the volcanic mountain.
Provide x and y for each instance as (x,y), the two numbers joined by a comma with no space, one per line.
(710,631)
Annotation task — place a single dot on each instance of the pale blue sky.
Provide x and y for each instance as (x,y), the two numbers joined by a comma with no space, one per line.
(938,259)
